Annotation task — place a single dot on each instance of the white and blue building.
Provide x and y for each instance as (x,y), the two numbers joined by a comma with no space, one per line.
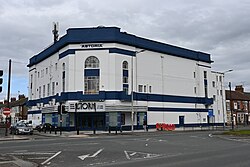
(106,78)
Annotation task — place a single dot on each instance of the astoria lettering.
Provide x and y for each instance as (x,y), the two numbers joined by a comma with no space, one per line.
(86,106)
(92,45)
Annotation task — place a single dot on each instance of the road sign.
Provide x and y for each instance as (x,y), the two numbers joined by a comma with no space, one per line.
(6,111)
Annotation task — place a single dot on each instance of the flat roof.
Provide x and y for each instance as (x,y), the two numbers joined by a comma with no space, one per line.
(114,35)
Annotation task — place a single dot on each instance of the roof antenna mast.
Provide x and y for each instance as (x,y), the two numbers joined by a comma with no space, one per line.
(55,31)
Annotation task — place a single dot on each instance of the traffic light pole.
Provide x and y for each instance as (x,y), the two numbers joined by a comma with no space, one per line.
(8,99)
(61,119)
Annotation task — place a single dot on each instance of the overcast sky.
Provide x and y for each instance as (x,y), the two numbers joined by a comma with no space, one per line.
(218,27)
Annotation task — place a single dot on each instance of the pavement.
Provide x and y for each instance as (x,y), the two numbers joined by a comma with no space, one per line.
(85,134)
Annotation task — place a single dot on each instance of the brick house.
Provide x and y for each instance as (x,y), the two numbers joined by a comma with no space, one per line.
(239,105)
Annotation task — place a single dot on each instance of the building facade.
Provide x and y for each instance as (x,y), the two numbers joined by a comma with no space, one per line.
(237,102)
(107,78)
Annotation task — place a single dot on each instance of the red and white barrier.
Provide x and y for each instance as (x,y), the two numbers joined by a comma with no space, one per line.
(163,126)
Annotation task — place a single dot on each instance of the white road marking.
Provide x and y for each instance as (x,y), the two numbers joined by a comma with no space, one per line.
(51,158)
(83,157)
(31,153)
(126,154)
(130,154)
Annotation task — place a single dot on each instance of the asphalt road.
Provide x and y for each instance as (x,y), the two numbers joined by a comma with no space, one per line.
(156,149)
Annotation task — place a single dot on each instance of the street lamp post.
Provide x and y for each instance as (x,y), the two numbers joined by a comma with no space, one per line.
(230,95)
(222,99)
(132,88)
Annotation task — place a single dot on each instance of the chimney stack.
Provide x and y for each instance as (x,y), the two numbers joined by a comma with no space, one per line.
(239,88)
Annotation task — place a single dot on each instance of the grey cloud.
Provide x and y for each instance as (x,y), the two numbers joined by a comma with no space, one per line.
(218,27)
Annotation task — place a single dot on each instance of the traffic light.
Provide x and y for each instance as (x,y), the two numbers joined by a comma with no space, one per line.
(61,109)
(1,80)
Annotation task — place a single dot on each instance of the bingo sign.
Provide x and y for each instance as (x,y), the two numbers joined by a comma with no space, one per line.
(6,111)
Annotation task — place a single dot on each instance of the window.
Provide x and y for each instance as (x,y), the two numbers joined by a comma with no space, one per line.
(122,119)
(214,97)
(205,74)
(125,76)
(53,88)
(38,74)
(220,78)
(55,66)
(48,89)
(238,105)
(228,106)
(145,88)
(31,81)
(150,89)
(221,92)
(125,65)
(43,90)
(46,70)
(140,88)
(213,83)
(206,93)
(92,62)
(125,89)
(125,79)
(40,91)
(42,73)
(91,80)
(194,75)
(195,91)
(91,84)
(63,77)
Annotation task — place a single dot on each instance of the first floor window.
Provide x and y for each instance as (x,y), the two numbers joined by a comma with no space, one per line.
(140,87)
(43,90)
(48,89)
(40,92)
(91,84)
(150,89)
(53,88)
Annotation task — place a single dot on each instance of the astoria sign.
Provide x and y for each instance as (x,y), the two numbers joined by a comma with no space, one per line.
(95,45)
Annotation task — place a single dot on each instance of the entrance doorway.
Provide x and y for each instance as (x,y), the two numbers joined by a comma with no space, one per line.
(90,121)
(181,120)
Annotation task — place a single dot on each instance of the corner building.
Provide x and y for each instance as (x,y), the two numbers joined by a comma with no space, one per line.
(108,78)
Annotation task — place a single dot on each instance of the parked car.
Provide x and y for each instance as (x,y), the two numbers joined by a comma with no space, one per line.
(21,128)
(45,127)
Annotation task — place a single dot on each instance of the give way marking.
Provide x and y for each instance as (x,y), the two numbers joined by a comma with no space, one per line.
(83,157)
(139,155)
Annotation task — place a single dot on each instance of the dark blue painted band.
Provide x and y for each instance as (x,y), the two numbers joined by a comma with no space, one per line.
(67,52)
(111,50)
(91,72)
(121,95)
(177,109)
(35,112)
(122,51)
